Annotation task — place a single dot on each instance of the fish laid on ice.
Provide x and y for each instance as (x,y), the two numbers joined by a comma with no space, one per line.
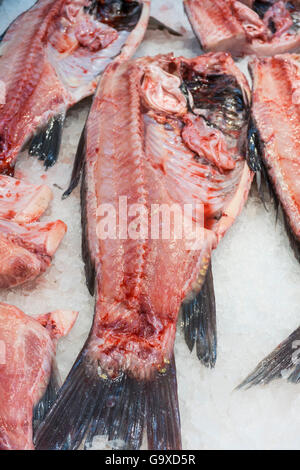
(275,133)
(162,132)
(26,246)
(275,150)
(250,27)
(50,58)
(27,374)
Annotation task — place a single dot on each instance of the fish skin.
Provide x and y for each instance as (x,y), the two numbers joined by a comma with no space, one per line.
(236,27)
(33,65)
(140,284)
(276,112)
(28,350)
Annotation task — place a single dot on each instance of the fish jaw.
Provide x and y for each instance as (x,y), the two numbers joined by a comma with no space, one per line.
(62,76)
(275,110)
(26,364)
(26,251)
(137,307)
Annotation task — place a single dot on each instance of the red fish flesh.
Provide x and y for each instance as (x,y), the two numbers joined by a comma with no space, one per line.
(27,351)
(259,27)
(147,138)
(26,246)
(50,58)
(275,117)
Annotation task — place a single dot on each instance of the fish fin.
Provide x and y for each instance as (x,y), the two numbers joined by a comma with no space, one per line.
(91,404)
(199,318)
(89,265)
(77,167)
(162,411)
(283,358)
(46,144)
(44,405)
(155,24)
(294,242)
(254,147)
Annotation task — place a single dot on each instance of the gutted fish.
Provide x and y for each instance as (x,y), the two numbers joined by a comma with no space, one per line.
(276,133)
(27,351)
(26,251)
(249,27)
(50,58)
(162,132)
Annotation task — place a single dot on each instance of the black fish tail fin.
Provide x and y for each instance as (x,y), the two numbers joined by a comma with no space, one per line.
(199,320)
(44,405)
(162,410)
(92,404)
(77,166)
(154,24)
(46,144)
(284,358)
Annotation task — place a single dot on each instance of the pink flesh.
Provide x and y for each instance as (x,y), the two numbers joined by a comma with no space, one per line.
(51,58)
(26,250)
(276,110)
(25,367)
(231,25)
(141,283)
(207,142)
(22,202)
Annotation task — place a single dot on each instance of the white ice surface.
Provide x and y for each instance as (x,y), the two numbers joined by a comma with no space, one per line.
(257,292)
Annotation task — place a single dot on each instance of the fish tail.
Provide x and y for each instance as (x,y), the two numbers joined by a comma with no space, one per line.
(92,404)
(46,144)
(283,359)
(199,320)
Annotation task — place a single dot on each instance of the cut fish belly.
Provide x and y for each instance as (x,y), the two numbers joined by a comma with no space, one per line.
(51,58)
(22,202)
(124,380)
(26,251)
(276,113)
(27,351)
(249,27)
